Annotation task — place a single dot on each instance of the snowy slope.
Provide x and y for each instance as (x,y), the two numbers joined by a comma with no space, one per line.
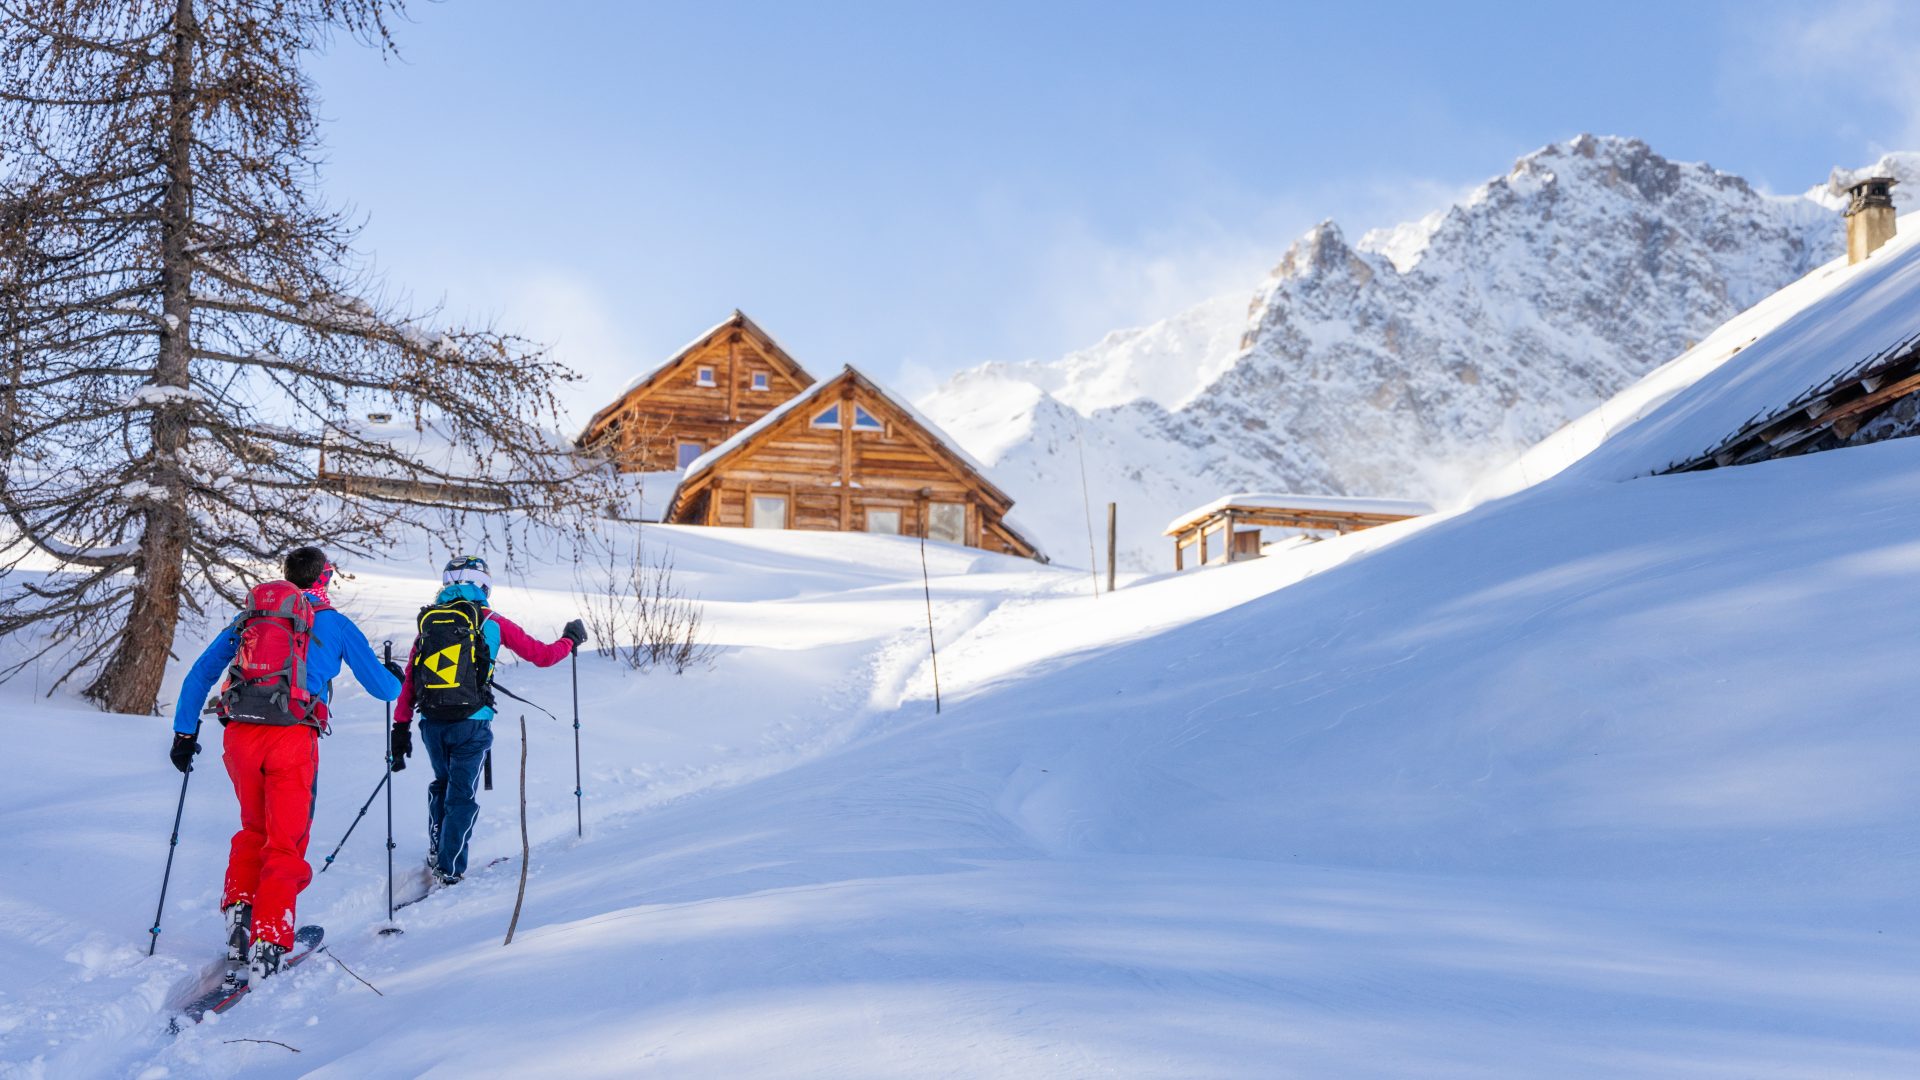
(1585,781)
(1405,365)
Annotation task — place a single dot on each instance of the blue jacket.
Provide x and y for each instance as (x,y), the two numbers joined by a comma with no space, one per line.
(335,639)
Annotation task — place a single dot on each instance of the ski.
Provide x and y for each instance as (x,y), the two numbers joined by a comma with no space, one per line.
(224,996)
(434,886)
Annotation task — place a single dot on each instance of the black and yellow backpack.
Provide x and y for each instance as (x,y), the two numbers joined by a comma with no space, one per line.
(452,669)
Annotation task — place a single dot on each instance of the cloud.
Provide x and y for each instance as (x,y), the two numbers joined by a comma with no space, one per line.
(1849,67)
(568,312)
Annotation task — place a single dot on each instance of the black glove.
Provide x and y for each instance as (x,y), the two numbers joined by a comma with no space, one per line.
(401,744)
(576,632)
(395,669)
(184,747)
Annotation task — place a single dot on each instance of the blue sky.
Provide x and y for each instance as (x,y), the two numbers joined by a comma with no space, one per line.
(916,188)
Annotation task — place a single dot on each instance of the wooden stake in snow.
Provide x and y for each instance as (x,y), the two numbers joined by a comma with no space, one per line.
(933,648)
(1113,530)
(525,849)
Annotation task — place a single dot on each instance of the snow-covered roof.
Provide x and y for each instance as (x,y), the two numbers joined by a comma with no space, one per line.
(1266,500)
(429,445)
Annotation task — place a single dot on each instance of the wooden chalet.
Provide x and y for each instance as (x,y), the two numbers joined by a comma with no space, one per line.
(845,455)
(698,398)
(1229,529)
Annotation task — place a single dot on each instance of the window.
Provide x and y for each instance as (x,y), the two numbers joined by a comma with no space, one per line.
(759,380)
(689,451)
(827,417)
(769,512)
(884,521)
(704,377)
(947,522)
(864,421)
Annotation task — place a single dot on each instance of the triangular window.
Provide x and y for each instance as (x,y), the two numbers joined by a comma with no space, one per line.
(828,417)
(865,421)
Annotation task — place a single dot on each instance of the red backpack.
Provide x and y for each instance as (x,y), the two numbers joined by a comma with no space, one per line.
(267,682)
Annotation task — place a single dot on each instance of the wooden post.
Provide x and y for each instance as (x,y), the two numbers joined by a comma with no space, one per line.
(1203,544)
(1113,529)
(846,463)
(1179,555)
(1227,541)
(733,386)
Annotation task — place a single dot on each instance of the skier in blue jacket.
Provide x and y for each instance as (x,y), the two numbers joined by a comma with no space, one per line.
(274,768)
(336,642)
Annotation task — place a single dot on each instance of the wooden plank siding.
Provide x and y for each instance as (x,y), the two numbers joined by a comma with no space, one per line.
(835,477)
(643,430)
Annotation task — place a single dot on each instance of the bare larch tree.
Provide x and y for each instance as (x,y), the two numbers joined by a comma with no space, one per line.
(186,326)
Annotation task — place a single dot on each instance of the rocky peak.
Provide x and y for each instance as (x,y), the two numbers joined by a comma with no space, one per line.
(1407,364)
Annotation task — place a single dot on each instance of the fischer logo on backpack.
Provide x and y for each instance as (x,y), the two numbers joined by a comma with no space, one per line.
(267,681)
(452,666)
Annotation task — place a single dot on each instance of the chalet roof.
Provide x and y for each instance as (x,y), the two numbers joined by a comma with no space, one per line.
(1338,504)
(646,378)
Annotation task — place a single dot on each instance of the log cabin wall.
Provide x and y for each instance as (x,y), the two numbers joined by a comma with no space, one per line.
(829,473)
(676,415)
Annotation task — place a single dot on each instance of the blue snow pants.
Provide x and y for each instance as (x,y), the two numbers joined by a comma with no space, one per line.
(456,748)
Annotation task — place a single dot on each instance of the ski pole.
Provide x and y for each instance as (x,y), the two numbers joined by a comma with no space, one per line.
(486,771)
(389,648)
(579,814)
(173,842)
(356,819)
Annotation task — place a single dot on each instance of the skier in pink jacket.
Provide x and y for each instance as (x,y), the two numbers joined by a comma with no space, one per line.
(450,684)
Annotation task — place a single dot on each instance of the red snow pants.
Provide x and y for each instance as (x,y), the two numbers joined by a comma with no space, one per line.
(274,770)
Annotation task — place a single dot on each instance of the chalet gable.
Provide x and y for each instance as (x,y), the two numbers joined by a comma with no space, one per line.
(720,382)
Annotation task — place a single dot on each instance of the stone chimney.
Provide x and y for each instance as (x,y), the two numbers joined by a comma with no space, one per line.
(1869,216)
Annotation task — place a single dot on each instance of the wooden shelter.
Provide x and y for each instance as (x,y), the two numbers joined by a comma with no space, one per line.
(1228,529)
(696,399)
(845,455)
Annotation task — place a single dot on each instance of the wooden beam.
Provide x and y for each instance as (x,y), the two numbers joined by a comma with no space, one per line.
(1884,395)
(733,384)
(846,463)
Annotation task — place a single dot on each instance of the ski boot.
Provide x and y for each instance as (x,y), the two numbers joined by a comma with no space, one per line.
(263,960)
(239,931)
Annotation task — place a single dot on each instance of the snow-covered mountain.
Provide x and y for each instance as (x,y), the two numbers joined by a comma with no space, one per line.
(1405,364)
